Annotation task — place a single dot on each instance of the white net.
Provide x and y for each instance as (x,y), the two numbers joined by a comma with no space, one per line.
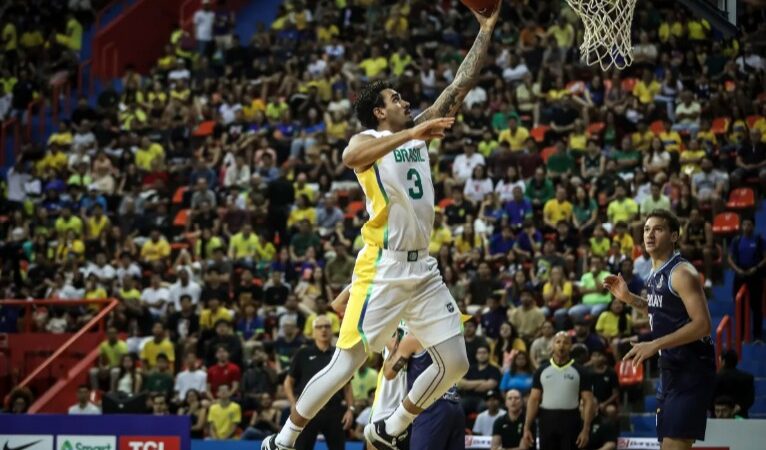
(607,31)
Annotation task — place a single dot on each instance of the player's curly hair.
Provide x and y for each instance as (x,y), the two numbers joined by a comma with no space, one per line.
(367,100)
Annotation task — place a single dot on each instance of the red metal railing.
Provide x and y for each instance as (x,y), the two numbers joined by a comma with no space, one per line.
(81,79)
(40,104)
(9,126)
(723,327)
(29,305)
(742,318)
(100,15)
(61,88)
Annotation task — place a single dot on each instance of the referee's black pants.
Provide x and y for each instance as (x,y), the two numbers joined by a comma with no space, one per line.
(558,428)
(329,423)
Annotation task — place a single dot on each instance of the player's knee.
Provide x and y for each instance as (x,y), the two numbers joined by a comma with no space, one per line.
(459,367)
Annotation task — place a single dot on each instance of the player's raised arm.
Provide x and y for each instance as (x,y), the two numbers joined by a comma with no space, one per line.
(619,289)
(363,150)
(449,101)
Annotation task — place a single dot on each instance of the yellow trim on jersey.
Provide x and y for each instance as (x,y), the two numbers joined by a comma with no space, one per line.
(351,331)
(375,231)
(375,399)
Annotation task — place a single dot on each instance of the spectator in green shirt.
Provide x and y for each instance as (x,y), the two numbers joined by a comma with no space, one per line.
(539,189)
(111,352)
(160,380)
(595,299)
(561,162)
(302,240)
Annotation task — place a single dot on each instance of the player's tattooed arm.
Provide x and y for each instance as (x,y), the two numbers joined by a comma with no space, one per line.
(397,360)
(449,101)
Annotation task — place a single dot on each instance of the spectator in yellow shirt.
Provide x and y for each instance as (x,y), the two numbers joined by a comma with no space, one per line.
(55,159)
(322,310)
(647,88)
(623,238)
(622,208)
(671,139)
(157,345)
(557,209)
(156,249)
(224,415)
(441,234)
(97,223)
(214,313)
(578,138)
(397,26)
(514,135)
(147,152)
(73,37)
(245,247)
(68,222)
(399,61)
(303,210)
(375,65)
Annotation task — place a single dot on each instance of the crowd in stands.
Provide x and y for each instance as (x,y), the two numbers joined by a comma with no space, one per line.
(209,196)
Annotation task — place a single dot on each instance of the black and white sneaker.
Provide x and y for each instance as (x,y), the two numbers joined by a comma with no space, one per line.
(270,443)
(375,433)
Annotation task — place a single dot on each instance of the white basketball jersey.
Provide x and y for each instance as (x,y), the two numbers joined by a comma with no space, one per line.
(400,197)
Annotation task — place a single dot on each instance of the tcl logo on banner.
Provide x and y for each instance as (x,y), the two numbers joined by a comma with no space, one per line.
(150,443)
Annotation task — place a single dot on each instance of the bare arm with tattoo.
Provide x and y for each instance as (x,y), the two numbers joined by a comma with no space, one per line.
(619,288)
(449,101)
(399,356)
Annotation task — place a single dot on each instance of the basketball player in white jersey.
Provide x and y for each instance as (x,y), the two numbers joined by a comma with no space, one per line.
(394,277)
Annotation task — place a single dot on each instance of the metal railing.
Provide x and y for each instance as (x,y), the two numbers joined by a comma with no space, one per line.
(9,126)
(742,318)
(723,327)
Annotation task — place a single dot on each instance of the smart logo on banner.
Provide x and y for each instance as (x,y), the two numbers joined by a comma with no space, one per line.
(26,441)
(85,442)
(150,443)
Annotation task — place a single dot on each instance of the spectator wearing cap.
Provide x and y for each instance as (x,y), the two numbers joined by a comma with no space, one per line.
(480,378)
(485,421)
(735,384)
(463,165)
(508,430)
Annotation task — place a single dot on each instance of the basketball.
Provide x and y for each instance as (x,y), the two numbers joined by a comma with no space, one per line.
(483,7)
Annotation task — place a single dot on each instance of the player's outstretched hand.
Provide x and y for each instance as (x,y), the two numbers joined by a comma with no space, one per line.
(432,129)
(640,352)
(488,23)
(617,286)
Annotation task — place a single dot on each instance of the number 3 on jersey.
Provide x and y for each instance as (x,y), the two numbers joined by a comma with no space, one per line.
(417,192)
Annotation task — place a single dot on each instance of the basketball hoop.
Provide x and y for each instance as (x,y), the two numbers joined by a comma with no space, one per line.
(607,32)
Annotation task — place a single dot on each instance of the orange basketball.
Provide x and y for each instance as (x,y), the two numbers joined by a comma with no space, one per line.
(483,7)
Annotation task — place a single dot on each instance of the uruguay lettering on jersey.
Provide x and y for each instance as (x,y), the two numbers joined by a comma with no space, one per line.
(667,313)
(400,197)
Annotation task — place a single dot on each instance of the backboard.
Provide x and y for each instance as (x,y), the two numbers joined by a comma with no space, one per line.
(722,14)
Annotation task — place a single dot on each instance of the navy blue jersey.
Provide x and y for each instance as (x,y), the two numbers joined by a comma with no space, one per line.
(417,364)
(667,313)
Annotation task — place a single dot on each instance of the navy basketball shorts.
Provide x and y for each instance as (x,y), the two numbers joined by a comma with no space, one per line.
(440,427)
(683,400)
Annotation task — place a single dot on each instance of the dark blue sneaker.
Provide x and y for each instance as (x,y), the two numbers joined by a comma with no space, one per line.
(376,435)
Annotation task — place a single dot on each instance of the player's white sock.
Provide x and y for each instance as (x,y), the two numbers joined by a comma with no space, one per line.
(289,434)
(399,421)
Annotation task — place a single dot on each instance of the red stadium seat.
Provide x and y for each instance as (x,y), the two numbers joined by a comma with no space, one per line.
(596,128)
(657,127)
(353,208)
(726,223)
(180,219)
(627,375)
(751,120)
(742,198)
(204,129)
(547,152)
(178,197)
(720,125)
(628,84)
(538,133)
(445,202)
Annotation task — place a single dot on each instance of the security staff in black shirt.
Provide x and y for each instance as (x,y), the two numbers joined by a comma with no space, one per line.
(338,415)
(557,389)
(508,431)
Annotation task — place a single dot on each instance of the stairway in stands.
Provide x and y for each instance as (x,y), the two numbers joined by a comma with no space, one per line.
(753,358)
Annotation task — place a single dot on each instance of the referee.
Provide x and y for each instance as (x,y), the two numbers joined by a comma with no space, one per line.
(335,417)
(557,388)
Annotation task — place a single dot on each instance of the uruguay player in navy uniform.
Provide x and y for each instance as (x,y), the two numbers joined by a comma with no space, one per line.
(680,331)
